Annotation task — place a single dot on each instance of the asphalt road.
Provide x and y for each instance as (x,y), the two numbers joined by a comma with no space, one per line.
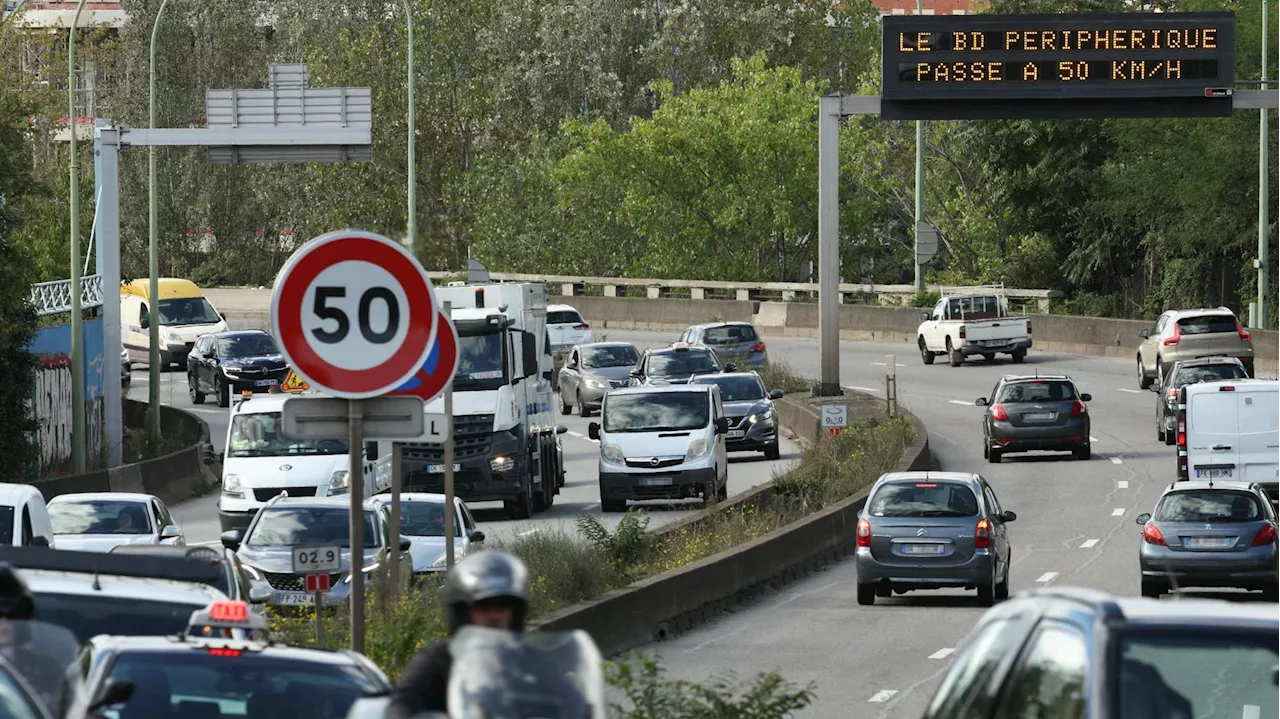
(580,495)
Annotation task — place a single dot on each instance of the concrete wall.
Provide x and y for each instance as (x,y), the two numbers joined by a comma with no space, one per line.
(51,400)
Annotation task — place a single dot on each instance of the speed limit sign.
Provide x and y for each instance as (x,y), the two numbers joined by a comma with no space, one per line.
(354,313)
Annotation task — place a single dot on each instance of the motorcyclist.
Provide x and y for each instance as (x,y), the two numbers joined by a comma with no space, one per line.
(488,589)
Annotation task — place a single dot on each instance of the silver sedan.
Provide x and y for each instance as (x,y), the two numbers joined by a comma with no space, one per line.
(591,370)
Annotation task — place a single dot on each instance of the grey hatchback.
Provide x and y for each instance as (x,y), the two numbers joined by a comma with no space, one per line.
(1209,534)
(1030,413)
(932,530)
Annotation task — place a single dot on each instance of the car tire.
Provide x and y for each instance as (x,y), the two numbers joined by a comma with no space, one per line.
(222,391)
(1271,592)
(1159,370)
(954,355)
(1144,382)
(1018,356)
(989,356)
(994,455)
(1085,452)
(522,506)
(583,410)
(1160,433)
(722,493)
(774,452)
(987,593)
(193,389)
(866,594)
(1002,589)
(925,355)
(1170,438)
(986,449)
(613,506)
(565,407)
(1151,589)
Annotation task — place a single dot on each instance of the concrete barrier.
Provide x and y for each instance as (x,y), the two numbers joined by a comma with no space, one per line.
(667,604)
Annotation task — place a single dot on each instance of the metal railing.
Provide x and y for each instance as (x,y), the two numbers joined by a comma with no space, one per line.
(50,298)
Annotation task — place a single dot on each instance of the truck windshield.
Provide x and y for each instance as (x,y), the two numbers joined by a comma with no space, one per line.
(1185,674)
(480,357)
(258,435)
(656,412)
(187,311)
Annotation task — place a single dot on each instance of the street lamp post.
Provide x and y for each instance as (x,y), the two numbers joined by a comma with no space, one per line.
(1264,224)
(78,434)
(153,255)
(919,188)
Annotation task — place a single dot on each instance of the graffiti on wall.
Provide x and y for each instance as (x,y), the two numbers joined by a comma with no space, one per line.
(52,398)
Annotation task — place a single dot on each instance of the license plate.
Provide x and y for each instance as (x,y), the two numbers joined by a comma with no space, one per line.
(656,482)
(292,599)
(1212,473)
(1039,416)
(1207,542)
(922,549)
(265,382)
(737,433)
(439,468)
(993,343)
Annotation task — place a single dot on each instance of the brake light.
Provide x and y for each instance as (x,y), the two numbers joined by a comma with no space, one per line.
(1266,535)
(926,484)
(1244,336)
(1151,535)
(997,412)
(757,347)
(479,297)
(1182,428)
(1227,388)
(1078,409)
(961,331)
(1177,336)
(982,534)
(1172,394)
(1028,327)
(582,326)
(224,652)
(864,533)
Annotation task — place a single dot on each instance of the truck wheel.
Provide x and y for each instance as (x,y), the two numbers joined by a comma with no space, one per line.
(559,468)
(1018,356)
(925,355)
(957,358)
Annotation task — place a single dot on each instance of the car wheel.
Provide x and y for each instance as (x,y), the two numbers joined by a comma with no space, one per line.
(612,506)
(1170,438)
(987,593)
(986,449)
(565,407)
(223,392)
(1085,452)
(1144,382)
(1151,589)
(1002,589)
(956,357)
(193,389)
(925,355)
(1271,592)
(1159,369)
(866,594)
(583,411)
(773,452)
(722,493)
(1018,356)
(993,455)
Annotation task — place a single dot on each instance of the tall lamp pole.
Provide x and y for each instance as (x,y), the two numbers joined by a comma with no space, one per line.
(1264,224)
(78,434)
(919,188)
(153,255)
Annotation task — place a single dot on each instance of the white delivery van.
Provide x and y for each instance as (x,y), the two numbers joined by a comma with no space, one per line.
(184,315)
(1230,429)
(24,517)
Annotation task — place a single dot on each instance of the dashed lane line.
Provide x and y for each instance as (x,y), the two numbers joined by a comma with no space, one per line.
(1122,484)
(1117,512)
(942,653)
(528,532)
(882,696)
(863,389)
(1130,391)
(1116,460)
(956,401)
(1089,544)
(1047,577)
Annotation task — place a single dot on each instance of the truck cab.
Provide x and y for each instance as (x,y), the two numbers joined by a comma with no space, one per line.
(975,322)
(506,445)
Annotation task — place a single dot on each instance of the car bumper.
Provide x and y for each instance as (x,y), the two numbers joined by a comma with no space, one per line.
(759,436)
(593,397)
(979,349)
(899,575)
(1253,568)
(235,519)
(682,484)
(1006,437)
(473,480)
(175,354)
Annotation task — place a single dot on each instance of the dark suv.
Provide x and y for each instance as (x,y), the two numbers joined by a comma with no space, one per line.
(1031,413)
(676,364)
(1073,653)
(1181,374)
(228,363)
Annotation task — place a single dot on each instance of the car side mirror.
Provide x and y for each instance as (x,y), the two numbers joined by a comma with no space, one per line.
(1142,518)
(722,425)
(924,316)
(1007,516)
(39,541)
(561,429)
(1086,397)
(171,531)
(477,536)
(593,431)
(114,691)
(371,451)
(731,367)
(981,401)
(776,394)
(634,372)
(144,323)
(223,315)
(405,544)
(231,539)
(1144,333)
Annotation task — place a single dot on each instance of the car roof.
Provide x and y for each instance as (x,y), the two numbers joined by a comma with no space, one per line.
(606,344)
(897,477)
(1087,605)
(709,378)
(1033,377)
(189,551)
(674,350)
(93,496)
(1214,359)
(435,497)
(665,388)
(562,308)
(172,643)
(12,491)
(340,502)
(1203,484)
(262,404)
(727,323)
(1220,311)
(237,333)
(117,587)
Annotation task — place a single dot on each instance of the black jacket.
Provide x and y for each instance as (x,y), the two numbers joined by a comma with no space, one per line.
(424,686)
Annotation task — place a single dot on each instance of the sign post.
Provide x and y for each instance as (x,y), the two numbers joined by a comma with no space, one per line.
(449,513)
(316,564)
(891,385)
(355,316)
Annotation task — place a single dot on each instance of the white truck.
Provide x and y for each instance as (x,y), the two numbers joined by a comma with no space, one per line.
(506,445)
(973,322)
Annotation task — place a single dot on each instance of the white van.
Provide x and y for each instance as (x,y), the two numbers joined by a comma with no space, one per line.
(24,518)
(1230,429)
(259,462)
(185,315)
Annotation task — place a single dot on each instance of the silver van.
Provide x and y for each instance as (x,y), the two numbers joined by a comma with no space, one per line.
(665,442)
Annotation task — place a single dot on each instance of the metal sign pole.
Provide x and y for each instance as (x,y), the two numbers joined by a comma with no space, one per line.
(449,512)
(396,488)
(355,451)
(319,624)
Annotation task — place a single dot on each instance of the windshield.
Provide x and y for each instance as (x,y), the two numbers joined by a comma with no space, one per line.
(602,357)
(564,317)
(258,435)
(480,356)
(1210,505)
(1207,325)
(729,335)
(15,703)
(1208,373)
(6,525)
(187,311)
(202,684)
(681,364)
(736,389)
(247,345)
(1206,676)
(88,615)
(656,411)
(99,517)
(1037,391)
(320,526)
(425,519)
(924,499)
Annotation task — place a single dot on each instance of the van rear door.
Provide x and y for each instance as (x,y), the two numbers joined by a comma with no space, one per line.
(1259,443)
(1213,431)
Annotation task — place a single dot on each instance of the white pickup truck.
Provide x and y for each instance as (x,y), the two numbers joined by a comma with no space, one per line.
(972,324)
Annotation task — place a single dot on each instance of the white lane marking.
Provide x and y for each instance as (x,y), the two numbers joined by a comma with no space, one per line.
(1089,544)
(528,532)
(1131,391)
(591,506)
(942,653)
(1122,484)
(882,696)
(213,543)
(956,401)
(1047,577)
(864,389)
(1092,438)
(1251,711)
(882,364)
(1116,460)
(1117,512)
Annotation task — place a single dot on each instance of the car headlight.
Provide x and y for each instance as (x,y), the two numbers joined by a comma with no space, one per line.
(761,417)
(231,486)
(502,463)
(612,452)
(697,448)
(173,338)
(442,560)
(366,571)
(597,384)
(339,482)
(231,370)
(252,572)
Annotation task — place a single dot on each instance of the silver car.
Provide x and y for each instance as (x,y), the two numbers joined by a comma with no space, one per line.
(1209,534)
(735,342)
(591,370)
(933,530)
(1186,334)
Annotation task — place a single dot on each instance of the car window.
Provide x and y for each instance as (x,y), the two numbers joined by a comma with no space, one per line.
(656,411)
(1037,390)
(85,615)
(967,691)
(1161,323)
(144,315)
(164,513)
(467,520)
(1050,681)
(1194,674)
(1207,324)
(1210,505)
(100,516)
(179,311)
(1207,373)
(247,345)
(728,334)
(993,504)
(258,434)
(424,519)
(923,499)
(601,357)
(14,702)
(679,364)
(321,526)
(735,389)
(564,317)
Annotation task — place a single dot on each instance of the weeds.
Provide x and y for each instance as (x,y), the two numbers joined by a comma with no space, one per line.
(649,694)
(777,374)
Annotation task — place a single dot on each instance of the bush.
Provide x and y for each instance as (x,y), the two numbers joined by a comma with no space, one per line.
(777,374)
(650,695)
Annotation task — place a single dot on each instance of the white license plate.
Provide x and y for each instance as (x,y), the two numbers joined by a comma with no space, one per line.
(993,343)
(1039,416)
(294,599)
(656,482)
(439,468)
(922,549)
(266,382)
(737,433)
(1213,473)
(1207,542)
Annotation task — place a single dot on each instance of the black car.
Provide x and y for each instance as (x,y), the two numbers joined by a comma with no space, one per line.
(1181,374)
(753,420)
(228,363)
(1072,653)
(1035,413)
(676,364)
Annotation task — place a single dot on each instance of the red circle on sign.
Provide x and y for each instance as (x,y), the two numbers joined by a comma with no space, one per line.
(296,278)
(431,384)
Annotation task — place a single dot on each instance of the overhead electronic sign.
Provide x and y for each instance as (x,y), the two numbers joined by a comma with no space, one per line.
(1080,65)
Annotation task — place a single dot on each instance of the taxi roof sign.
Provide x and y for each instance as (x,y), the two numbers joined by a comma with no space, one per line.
(227,614)
(294,383)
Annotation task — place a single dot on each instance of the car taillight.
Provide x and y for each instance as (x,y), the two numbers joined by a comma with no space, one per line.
(582,326)
(1244,336)
(864,533)
(1028,326)
(1266,535)
(1182,429)
(982,535)
(757,347)
(997,412)
(1078,409)
(1151,535)
(1227,388)
(961,331)
(1177,335)
(1172,394)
